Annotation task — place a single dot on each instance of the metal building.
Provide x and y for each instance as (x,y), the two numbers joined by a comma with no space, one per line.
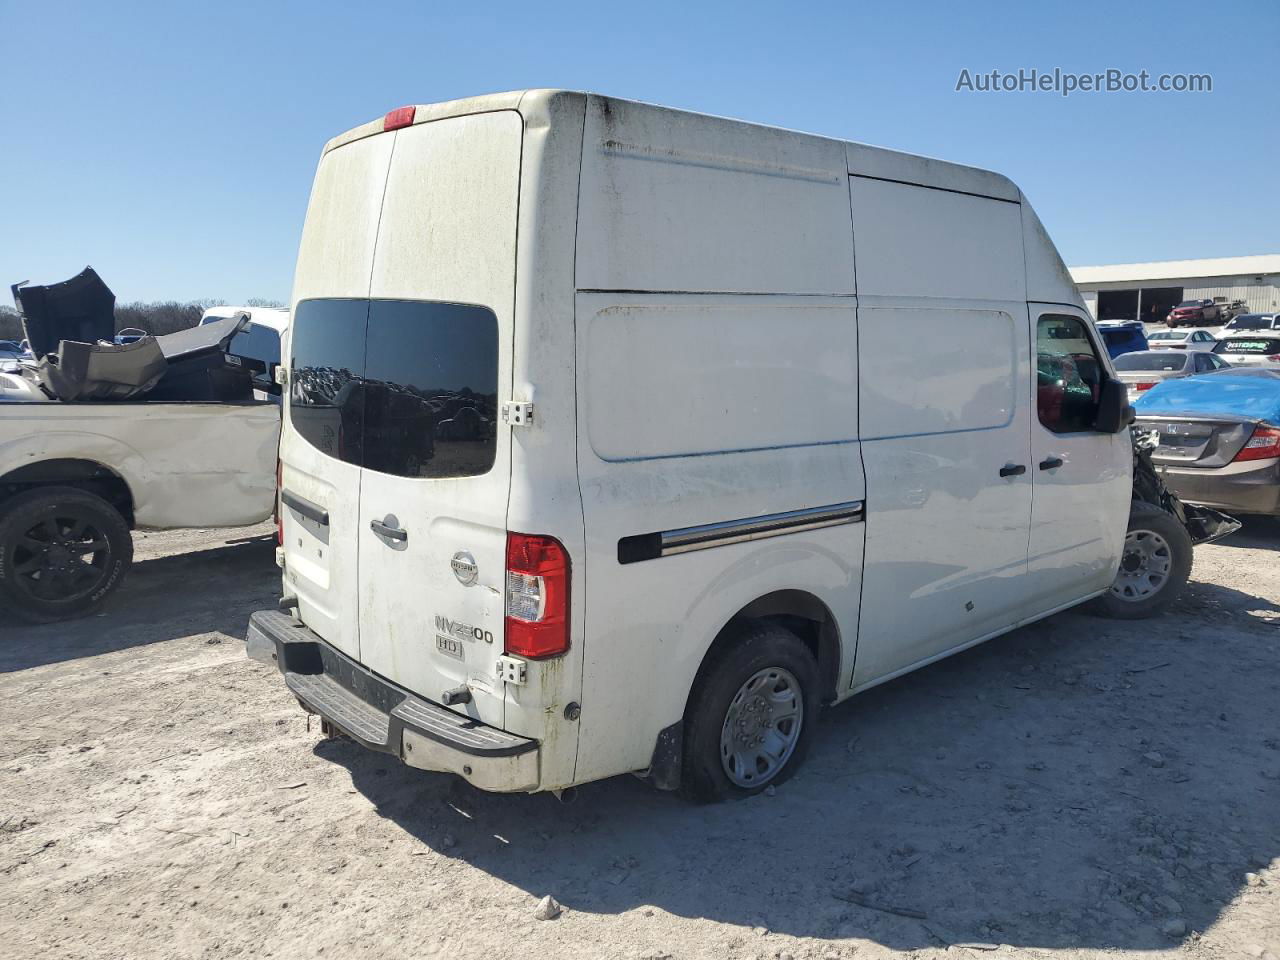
(1147,291)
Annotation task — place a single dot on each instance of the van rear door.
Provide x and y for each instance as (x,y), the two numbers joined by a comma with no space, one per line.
(437,364)
(320,471)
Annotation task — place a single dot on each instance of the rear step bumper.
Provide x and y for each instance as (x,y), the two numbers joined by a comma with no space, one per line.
(383,717)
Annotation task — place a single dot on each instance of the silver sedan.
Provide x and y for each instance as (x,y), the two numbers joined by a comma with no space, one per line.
(1143,369)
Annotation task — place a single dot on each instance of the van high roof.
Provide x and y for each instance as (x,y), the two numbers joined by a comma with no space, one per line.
(864,160)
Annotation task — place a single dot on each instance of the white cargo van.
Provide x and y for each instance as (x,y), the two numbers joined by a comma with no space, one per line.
(619,438)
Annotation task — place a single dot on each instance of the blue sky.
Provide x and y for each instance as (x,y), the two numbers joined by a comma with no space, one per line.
(172,145)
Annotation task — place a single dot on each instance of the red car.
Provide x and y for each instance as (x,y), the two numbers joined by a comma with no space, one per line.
(1194,313)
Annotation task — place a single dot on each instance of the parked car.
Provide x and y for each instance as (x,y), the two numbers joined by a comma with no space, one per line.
(12,354)
(1142,371)
(1251,321)
(1232,309)
(1181,340)
(1250,351)
(1122,336)
(1219,438)
(702,513)
(1194,313)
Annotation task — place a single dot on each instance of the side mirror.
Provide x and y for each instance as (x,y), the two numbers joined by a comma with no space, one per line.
(1114,412)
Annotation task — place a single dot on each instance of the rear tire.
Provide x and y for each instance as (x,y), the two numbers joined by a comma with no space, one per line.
(1153,569)
(62,552)
(751,715)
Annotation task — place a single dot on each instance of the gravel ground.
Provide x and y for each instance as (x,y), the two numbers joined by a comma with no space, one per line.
(1077,787)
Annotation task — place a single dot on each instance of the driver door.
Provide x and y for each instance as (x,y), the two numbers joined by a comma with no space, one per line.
(1082,477)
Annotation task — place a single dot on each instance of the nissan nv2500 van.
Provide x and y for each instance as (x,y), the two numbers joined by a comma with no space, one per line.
(619,438)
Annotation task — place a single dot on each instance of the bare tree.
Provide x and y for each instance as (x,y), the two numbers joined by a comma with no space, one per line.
(156,318)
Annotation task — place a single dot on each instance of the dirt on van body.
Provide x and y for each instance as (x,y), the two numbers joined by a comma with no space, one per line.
(1079,787)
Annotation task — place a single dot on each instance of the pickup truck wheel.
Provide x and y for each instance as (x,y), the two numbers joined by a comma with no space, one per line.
(751,715)
(62,551)
(1154,565)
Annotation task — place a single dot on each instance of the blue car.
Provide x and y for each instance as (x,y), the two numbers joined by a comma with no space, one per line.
(1219,438)
(1122,336)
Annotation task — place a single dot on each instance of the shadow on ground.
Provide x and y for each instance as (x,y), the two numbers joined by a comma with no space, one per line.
(162,598)
(1257,533)
(1078,783)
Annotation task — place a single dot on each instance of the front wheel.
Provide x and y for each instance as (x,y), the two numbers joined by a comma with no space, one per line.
(1154,565)
(62,552)
(751,715)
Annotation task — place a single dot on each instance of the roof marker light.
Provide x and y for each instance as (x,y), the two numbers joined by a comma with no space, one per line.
(397,118)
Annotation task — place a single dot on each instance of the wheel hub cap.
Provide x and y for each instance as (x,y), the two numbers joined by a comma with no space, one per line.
(762,727)
(1144,567)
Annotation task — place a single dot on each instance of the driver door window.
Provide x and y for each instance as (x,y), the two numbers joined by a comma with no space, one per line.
(1069,374)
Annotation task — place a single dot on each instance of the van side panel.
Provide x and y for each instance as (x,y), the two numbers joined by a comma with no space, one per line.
(701,401)
(920,242)
(945,405)
(650,622)
(946,535)
(677,201)
(655,390)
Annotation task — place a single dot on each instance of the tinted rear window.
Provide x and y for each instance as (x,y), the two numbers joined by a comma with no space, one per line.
(1164,360)
(1260,345)
(408,388)
(257,342)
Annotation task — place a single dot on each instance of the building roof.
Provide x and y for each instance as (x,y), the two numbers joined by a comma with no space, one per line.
(1177,269)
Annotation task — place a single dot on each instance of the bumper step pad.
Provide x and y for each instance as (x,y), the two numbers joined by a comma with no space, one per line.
(327,697)
(371,710)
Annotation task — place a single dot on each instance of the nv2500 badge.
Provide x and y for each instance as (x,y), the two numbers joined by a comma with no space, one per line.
(462,631)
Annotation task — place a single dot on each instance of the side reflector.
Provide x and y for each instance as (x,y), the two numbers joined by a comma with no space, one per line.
(399,117)
(1263,445)
(537,615)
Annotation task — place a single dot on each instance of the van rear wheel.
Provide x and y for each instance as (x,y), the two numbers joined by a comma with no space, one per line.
(1154,565)
(751,715)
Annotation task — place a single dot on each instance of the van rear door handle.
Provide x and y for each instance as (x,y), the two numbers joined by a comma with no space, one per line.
(391,533)
(1013,469)
(1050,463)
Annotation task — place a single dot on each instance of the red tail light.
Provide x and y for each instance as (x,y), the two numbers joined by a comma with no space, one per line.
(1147,385)
(279,516)
(399,117)
(537,621)
(1263,445)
